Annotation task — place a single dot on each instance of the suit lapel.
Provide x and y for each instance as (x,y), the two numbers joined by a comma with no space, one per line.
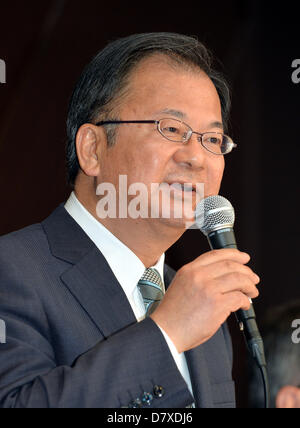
(89,278)
(94,285)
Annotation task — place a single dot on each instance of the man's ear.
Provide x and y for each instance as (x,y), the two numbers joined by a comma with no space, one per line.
(288,397)
(88,145)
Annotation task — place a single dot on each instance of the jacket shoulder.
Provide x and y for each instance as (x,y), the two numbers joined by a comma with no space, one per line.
(22,238)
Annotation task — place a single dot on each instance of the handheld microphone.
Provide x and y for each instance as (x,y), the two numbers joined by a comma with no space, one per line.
(215,218)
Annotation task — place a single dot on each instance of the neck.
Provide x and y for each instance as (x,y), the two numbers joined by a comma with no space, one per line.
(148,239)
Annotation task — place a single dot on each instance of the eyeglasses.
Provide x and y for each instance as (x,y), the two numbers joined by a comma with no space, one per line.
(179,132)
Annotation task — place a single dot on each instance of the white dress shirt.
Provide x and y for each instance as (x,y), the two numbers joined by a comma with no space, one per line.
(127,268)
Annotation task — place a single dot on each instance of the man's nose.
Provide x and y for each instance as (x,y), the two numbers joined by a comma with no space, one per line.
(191,154)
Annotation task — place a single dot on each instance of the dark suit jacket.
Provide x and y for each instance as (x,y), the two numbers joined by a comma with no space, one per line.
(72,337)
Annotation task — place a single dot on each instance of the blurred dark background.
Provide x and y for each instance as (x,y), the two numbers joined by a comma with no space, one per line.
(45,46)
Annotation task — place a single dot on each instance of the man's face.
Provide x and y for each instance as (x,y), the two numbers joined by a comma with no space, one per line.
(158,90)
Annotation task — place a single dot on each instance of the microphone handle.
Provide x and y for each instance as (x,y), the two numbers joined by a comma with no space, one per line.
(225,238)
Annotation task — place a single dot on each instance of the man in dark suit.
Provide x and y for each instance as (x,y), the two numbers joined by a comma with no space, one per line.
(93,316)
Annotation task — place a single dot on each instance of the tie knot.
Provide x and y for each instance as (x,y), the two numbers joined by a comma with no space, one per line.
(151,277)
(151,288)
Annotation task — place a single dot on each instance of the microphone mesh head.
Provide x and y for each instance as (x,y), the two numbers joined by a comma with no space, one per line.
(213,213)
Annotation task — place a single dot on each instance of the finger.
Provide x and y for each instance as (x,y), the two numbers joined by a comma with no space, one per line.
(236,282)
(224,267)
(235,301)
(215,256)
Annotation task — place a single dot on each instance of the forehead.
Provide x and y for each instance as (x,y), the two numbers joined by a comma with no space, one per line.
(159,83)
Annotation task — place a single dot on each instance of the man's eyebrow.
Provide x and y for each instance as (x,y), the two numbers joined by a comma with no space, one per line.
(182,115)
(173,112)
(216,125)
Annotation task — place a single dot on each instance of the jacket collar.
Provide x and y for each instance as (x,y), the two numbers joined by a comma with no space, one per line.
(66,238)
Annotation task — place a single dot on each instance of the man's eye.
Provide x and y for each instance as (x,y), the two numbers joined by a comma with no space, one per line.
(171,130)
(213,140)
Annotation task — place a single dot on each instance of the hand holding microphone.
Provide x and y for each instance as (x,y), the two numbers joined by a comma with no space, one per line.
(215,218)
(206,291)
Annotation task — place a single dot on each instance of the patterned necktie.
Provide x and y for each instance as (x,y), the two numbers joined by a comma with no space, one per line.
(151,288)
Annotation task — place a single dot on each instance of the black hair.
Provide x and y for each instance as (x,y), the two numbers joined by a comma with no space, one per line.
(102,81)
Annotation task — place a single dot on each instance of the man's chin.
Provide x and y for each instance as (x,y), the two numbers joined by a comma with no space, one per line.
(178,223)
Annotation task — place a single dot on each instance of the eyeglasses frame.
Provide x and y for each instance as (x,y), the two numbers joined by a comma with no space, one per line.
(157,122)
